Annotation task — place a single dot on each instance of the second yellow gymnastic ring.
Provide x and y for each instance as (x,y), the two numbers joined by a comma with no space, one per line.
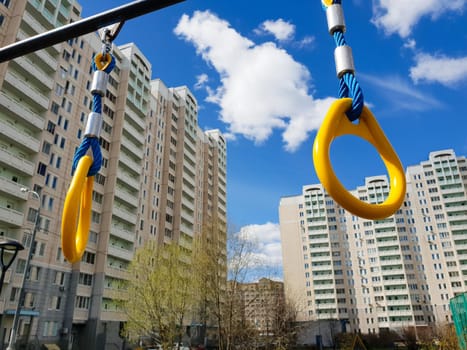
(76,217)
(337,124)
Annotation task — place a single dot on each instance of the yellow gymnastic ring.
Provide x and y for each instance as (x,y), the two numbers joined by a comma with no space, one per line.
(78,201)
(337,124)
(102,61)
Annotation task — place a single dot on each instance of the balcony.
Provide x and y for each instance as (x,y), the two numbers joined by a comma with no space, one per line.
(12,188)
(123,234)
(134,133)
(11,217)
(128,180)
(319,249)
(382,234)
(30,95)
(392,271)
(117,273)
(130,163)
(33,23)
(398,302)
(388,252)
(321,258)
(126,196)
(124,215)
(107,315)
(135,118)
(394,282)
(31,69)
(112,293)
(13,161)
(388,243)
(46,61)
(187,230)
(20,110)
(323,286)
(80,315)
(136,152)
(320,240)
(321,268)
(327,276)
(325,296)
(403,292)
(120,253)
(28,141)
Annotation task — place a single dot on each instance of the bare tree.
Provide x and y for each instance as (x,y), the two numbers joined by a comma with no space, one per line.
(159,293)
(241,259)
(210,267)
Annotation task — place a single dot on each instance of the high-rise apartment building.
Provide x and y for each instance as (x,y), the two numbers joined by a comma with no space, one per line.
(394,273)
(162,178)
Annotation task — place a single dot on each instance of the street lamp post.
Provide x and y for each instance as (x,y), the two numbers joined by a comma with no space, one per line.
(12,247)
(14,329)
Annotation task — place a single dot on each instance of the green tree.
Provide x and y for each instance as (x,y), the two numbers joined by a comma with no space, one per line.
(160,293)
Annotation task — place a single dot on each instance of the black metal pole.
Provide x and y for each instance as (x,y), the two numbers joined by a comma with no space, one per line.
(81,27)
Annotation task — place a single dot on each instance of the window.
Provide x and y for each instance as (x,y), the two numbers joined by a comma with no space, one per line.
(46,147)
(55,302)
(32,215)
(85,279)
(51,127)
(88,257)
(59,278)
(55,107)
(50,329)
(82,302)
(41,169)
(34,273)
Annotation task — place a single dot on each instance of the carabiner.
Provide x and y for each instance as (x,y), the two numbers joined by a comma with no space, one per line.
(75,232)
(102,61)
(337,124)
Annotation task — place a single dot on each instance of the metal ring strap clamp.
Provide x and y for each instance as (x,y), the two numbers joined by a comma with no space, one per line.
(77,204)
(337,124)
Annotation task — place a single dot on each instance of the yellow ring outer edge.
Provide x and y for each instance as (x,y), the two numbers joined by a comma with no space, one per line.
(77,205)
(337,124)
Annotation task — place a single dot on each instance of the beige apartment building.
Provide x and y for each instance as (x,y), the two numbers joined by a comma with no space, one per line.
(162,178)
(394,273)
(260,302)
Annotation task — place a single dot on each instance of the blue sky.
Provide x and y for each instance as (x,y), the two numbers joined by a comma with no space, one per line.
(263,73)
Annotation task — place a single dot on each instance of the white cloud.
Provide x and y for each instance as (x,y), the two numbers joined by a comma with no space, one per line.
(444,70)
(404,95)
(410,44)
(281,29)
(306,41)
(266,237)
(201,81)
(400,16)
(262,87)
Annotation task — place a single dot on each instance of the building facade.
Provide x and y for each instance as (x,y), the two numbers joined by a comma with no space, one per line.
(260,302)
(162,178)
(394,273)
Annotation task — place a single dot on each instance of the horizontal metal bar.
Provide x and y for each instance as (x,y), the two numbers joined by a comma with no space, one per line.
(81,27)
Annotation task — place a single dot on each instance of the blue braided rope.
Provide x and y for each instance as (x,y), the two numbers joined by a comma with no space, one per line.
(348,84)
(92,142)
